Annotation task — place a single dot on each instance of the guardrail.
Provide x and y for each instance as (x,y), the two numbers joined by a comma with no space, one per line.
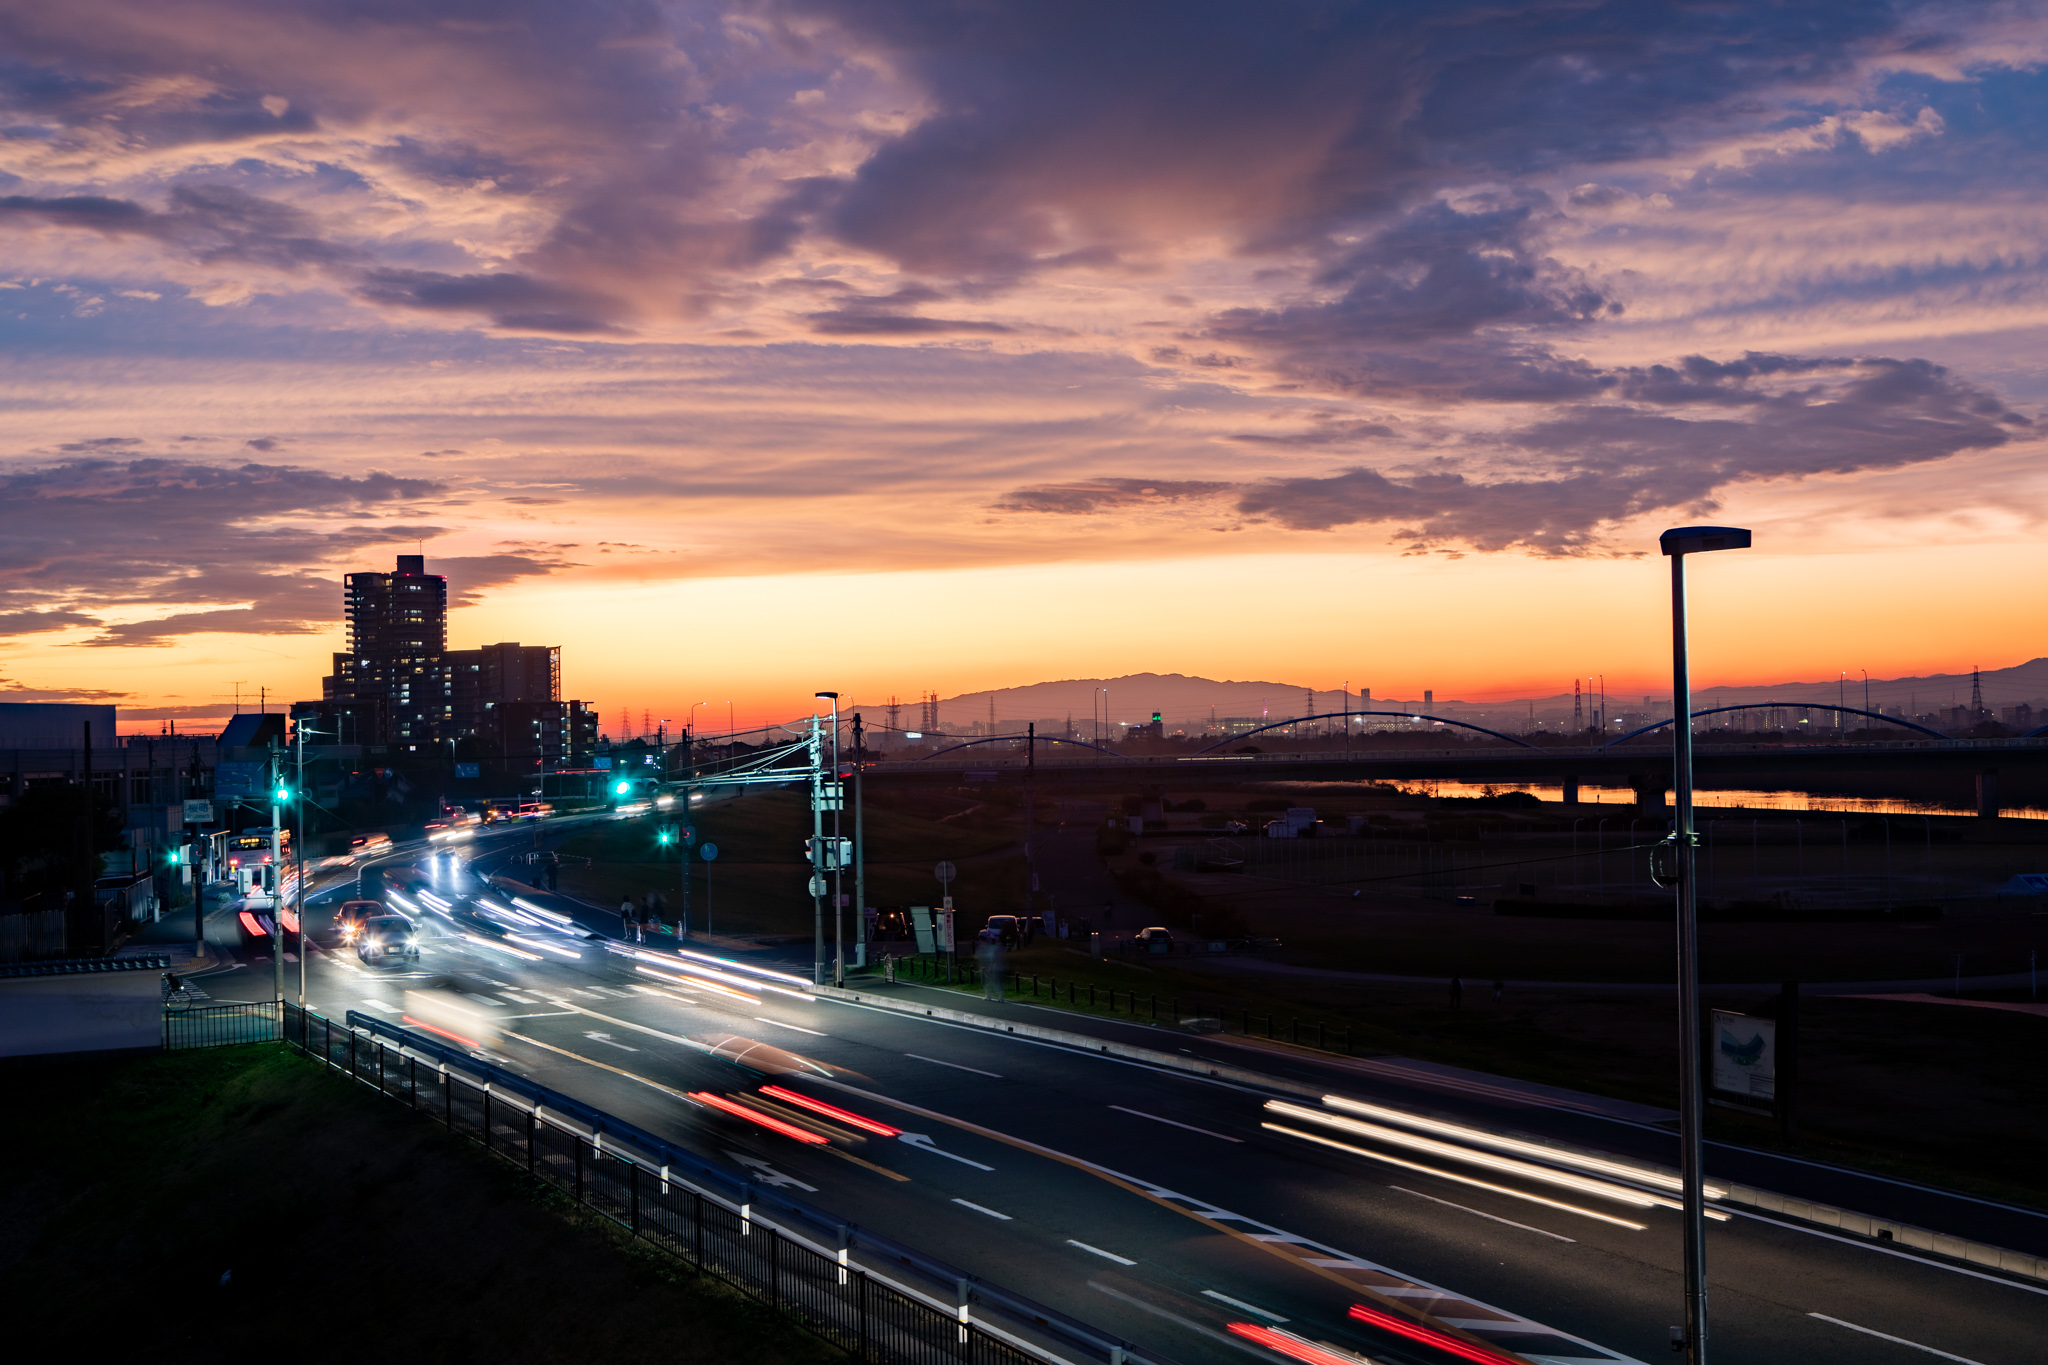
(669,1197)
(220,1025)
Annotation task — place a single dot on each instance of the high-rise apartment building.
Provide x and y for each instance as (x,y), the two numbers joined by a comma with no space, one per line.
(396,662)
(401,686)
(485,678)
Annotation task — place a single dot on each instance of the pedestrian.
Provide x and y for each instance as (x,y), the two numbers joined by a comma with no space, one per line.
(626,917)
(1457,993)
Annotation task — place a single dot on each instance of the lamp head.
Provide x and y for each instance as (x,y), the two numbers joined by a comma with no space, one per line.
(1692,540)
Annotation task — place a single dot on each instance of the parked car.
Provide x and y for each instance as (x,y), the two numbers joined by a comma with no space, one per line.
(1006,930)
(387,935)
(1155,938)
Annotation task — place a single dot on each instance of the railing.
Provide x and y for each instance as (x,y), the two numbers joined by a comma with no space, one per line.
(639,1182)
(220,1025)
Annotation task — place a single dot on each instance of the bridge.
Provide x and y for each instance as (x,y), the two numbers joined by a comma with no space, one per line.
(1014,759)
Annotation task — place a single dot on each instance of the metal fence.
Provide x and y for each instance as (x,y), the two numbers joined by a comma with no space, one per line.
(607,1166)
(220,1024)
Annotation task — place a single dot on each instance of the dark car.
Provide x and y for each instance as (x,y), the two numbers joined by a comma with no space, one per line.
(353,915)
(387,935)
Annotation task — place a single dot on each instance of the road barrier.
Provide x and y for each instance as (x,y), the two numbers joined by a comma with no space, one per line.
(660,1193)
(221,1024)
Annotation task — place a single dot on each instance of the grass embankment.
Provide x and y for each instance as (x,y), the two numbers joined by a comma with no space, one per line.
(129,1188)
(758,883)
(1928,1092)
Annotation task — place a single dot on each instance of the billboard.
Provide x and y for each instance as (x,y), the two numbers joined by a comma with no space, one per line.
(1745,1056)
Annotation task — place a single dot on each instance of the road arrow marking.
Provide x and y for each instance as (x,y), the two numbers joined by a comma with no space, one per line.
(923,1143)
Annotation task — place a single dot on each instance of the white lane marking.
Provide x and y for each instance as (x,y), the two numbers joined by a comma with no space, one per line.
(1494,1216)
(1098,1251)
(964,1203)
(1867,1245)
(1887,1336)
(1175,1122)
(925,1144)
(1247,1307)
(543,1014)
(779,1024)
(379,1006)
(606,1039)
(955,1065)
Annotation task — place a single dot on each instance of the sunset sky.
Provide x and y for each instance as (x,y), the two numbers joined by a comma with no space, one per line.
(745,350)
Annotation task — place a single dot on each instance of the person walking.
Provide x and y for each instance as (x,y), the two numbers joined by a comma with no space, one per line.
(626,917)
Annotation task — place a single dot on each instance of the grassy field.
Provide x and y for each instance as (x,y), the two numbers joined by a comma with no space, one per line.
(1929,1092)
(345,1227)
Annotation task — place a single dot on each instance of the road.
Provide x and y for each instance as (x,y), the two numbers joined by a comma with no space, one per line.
(1165,1206)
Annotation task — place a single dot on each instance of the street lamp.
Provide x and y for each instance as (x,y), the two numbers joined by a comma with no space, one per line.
(1677,544)
(838,915)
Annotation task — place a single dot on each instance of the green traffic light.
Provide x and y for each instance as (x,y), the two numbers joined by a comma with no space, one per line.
(284,794)
(623,788)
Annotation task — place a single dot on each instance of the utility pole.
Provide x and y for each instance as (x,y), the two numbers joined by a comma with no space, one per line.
(299,857)
(1030,816)
(192,860)
(817,855)
(860,850)
(838,790)
(276,879)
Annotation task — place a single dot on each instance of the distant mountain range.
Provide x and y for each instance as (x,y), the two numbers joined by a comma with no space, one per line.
(1185,701)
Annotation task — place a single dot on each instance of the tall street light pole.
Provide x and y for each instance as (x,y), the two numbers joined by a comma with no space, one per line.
(838,789)
(817,855)
(860,856)
(1677,544)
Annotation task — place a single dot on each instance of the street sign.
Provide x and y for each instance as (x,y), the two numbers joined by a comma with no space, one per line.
(199,812)
(945,872)
(709,853)
(817,886)
(468,769)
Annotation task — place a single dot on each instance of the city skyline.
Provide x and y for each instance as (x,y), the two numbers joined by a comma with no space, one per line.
(745,352)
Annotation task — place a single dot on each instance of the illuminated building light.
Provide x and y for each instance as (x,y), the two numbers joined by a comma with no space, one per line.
(1528,1170)
(1288,1344)
(1458,1179)
(1620,1169)
(830,1111)
(1429,1336)
(773,1124)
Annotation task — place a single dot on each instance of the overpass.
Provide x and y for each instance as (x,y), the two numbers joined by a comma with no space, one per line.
(1645,767)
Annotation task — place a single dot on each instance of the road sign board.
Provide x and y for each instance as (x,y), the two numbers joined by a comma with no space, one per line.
(709,853)
(199,812)
(945,872)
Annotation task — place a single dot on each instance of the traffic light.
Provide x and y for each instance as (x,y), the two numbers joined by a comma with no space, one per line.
(283,793)
(666,835)
(622,788)
(177,854)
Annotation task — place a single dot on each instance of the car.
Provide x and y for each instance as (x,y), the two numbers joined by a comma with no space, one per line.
(1006,928)
(349,920)
(1156,934)
(387,935)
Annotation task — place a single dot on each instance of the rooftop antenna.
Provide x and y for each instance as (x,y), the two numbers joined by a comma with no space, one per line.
(1977,693)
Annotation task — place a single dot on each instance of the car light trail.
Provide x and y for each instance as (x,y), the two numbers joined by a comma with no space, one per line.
(1459,1179)
(435,901)
(696,972)
(831,1111)
(743,967)
(391,895)
(1528,1170)
(756,1116)
(699,984)
(1620,1169)
(547,914)
(423,1024)
(557,950)
(503,947)
(1288,1344)
(1429,1336)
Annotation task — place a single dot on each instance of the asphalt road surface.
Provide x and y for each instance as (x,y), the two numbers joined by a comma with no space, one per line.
(1163,1206)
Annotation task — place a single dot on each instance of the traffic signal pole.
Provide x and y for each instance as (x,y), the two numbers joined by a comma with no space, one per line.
(276,876)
